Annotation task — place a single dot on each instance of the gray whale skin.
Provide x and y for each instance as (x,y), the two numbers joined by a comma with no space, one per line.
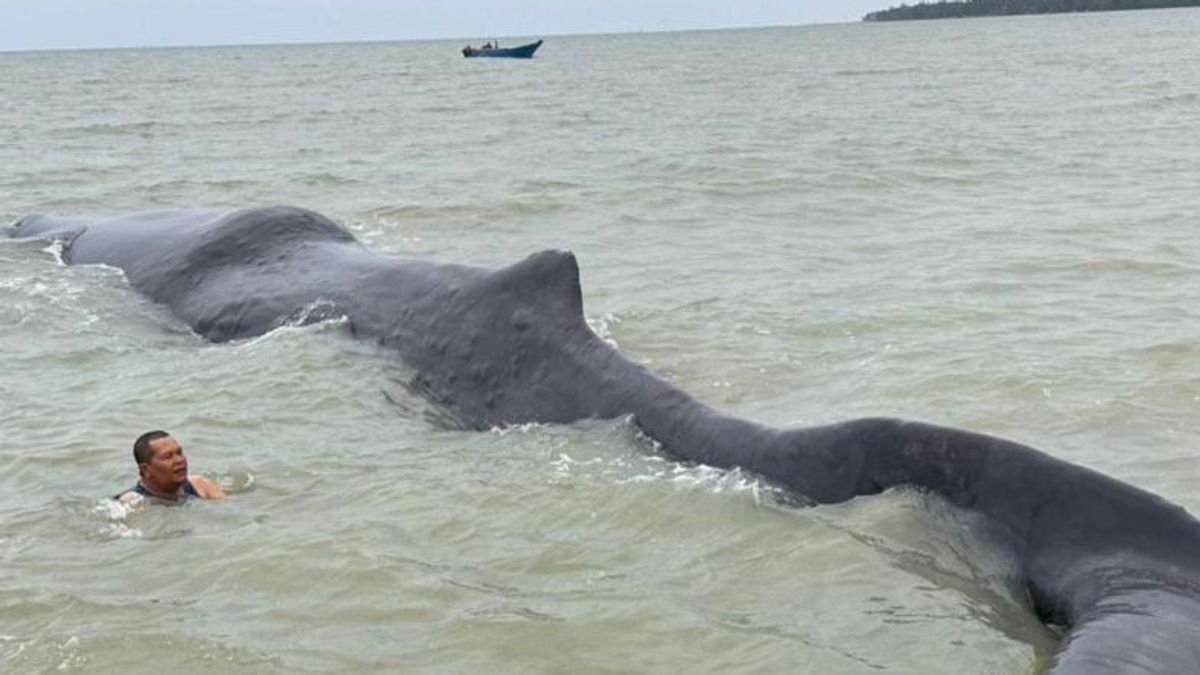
(1116,565)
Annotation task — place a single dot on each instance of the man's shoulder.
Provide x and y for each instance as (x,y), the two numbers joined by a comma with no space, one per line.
(206,487)
(130,496)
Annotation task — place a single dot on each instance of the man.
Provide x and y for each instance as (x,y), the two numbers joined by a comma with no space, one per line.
(163,471)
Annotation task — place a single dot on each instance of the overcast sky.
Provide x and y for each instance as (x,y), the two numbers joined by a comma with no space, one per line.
(64,24)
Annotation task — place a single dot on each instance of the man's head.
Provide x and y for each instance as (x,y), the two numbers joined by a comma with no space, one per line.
(161,462)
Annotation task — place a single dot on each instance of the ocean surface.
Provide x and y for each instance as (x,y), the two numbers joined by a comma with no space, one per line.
(987,224)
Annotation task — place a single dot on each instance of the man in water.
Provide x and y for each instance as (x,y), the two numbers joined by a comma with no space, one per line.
(163,472)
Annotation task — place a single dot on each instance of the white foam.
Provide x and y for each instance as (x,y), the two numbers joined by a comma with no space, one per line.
(601,326)
(16,650)
(381,232)
(640,469)
(116,512)
(71,659)
(301,322)
(525,428)
(56,248)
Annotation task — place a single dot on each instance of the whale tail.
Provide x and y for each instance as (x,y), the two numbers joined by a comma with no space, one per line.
(1146,630)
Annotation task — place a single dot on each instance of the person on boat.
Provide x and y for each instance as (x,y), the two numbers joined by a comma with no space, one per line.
(487,45)
(163,472)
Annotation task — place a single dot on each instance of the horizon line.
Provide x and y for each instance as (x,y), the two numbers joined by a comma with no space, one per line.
(220,45)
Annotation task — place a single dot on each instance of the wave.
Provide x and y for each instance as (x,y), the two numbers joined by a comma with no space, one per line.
(141,128)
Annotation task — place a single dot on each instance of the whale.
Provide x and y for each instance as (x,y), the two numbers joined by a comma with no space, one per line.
(1115,566)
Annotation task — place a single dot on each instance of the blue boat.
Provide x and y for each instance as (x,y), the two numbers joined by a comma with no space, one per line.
(522,52)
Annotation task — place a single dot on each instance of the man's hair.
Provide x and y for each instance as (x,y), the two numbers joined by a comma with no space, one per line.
(142,452)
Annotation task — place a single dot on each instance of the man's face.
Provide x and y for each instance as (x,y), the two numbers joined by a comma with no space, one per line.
(167,468)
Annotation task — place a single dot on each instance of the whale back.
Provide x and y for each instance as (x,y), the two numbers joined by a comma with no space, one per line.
(166,254)
(1119,565)
(501,346)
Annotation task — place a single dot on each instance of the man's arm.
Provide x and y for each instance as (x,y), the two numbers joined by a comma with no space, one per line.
(129,497)
(206,487)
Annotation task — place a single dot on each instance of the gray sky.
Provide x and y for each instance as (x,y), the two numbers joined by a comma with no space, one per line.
(63,24)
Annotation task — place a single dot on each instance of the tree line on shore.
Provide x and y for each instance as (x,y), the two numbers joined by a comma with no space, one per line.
(948,9)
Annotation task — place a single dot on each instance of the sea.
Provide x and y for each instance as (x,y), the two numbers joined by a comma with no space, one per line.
(986,224)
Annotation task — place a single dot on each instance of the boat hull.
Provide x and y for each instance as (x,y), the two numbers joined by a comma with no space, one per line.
(522,52)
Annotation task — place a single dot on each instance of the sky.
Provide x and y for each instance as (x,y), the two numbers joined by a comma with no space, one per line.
(75,24)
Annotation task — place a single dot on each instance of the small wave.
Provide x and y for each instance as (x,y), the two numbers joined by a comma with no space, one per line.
(10,654)
(1120,266)
(235,482)
(315,317)
(115,514)
(645,463)
(22,248)
(1179,99)
(1178,353)
(528,427)
(299,326)
(386,232)
(649,468)
(319,311)
(56,248)
(220,184)
(442,108)
(36,293)
(700,477)
(71,658)
(549,185)
(410,212)
(872,72)
(144,128)
(326,178)
(602,327)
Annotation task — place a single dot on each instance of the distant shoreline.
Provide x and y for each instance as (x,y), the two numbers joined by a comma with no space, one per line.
(957,9)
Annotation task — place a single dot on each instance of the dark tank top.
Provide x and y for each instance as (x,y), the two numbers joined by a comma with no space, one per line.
(189,491)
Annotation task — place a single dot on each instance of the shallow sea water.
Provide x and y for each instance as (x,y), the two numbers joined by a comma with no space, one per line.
(985,224)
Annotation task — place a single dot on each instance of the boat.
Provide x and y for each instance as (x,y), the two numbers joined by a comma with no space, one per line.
(522,52)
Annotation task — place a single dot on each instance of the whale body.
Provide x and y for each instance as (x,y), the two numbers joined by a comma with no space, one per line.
(1116,565)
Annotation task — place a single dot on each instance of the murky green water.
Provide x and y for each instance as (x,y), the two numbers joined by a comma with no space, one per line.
(986,224)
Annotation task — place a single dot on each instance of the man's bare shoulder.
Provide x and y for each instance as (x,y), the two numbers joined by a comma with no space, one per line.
(129,498)
(206,487)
